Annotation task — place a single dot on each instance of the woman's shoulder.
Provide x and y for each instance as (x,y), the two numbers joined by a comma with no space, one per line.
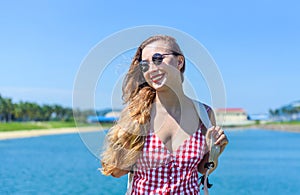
(209,118)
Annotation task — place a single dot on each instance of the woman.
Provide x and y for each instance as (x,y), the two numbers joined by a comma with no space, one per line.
(159,135)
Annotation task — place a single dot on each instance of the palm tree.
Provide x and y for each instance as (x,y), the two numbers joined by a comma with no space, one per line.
(1,108)
(25,111)
(6,109)
(58,110)
(47,111)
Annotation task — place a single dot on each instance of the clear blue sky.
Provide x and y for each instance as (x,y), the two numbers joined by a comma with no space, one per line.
(255,44)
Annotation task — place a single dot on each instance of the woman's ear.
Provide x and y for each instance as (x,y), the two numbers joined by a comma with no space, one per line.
(180,62)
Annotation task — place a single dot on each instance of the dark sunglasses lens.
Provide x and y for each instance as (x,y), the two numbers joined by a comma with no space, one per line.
(157,58)
(144,65)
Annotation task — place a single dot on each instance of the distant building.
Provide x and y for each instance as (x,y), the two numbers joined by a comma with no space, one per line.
(104,116)
(262,117)
(290,112)
(232,117)
(115,114)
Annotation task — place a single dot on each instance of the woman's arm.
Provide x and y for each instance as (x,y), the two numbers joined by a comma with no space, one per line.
(221,140)
(201,165)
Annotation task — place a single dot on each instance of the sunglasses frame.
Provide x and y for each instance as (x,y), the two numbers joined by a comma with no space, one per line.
(157,59)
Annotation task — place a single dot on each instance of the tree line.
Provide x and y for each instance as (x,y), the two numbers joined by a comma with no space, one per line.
(29,111)
(285,110)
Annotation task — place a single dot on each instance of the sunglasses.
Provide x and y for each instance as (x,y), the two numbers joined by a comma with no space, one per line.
(157,59)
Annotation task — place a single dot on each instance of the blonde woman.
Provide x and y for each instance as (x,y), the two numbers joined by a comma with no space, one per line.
(159,136)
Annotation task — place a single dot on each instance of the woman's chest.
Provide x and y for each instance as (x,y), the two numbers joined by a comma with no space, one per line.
(155,154)
(174,132)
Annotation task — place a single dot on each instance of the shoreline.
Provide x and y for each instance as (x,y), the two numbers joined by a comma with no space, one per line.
(57,131)
(274,127)
(43,132)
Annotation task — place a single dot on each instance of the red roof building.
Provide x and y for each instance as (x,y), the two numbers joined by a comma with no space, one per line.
(231,116)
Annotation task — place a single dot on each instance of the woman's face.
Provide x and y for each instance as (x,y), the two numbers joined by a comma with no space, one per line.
(167,73)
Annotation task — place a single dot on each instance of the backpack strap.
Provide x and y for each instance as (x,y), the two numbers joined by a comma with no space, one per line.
(203,115)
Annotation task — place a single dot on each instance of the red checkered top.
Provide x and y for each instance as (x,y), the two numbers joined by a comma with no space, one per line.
(160,171)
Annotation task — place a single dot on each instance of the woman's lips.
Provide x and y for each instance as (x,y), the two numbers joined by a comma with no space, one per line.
(156,78)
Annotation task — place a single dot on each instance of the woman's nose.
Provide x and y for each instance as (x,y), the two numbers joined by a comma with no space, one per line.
(152,67)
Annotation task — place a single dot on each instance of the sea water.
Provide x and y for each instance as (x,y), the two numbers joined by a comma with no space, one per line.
(254,162)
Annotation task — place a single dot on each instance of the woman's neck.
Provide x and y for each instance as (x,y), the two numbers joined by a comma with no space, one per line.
(171,100)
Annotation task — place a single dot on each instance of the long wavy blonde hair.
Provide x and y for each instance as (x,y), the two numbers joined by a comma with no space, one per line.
(125,140)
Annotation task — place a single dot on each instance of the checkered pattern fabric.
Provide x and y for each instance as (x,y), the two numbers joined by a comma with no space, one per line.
(160,171)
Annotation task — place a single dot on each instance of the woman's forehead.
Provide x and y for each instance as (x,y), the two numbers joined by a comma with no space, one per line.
(154,48)
(158,45)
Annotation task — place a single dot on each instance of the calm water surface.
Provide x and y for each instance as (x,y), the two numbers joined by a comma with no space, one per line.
(255,162)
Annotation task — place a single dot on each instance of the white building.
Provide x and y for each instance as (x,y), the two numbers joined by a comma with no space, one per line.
(232,117)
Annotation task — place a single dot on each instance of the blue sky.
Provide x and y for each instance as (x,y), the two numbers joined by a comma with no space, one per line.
(254,43)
